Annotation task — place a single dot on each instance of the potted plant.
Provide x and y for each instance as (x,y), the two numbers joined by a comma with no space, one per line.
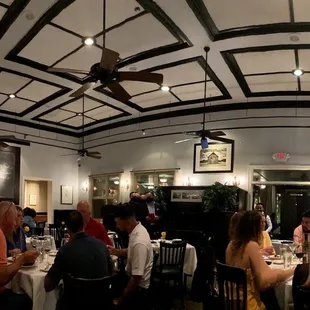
(219,201)
(219,196)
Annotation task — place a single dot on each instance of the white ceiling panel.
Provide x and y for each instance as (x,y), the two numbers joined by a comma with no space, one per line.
(263,62)
(77,106)
(16,105)
(10,83)
(196,91)
(89,15)
(57,115)
(134,88)
(47,40)
(2,11)
(83,59)
(242,13)
(274,82)
(37,91)
(135,37)
(304,59)
(2,98)
(103,112)
(156,98)
(77,121)
(301,10)
(187,73)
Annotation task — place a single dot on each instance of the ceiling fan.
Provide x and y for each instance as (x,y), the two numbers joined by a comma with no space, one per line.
(84,152)
(106,71)
(204,134)
(12,139)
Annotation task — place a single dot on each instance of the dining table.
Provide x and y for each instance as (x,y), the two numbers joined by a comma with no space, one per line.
(30,280)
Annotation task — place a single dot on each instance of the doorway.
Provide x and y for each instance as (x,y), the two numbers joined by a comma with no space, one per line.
(38,196)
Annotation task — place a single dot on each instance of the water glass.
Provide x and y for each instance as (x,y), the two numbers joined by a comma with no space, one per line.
(287,259)
(283,249)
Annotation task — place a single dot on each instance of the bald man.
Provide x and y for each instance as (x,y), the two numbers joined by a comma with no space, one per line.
(91,226)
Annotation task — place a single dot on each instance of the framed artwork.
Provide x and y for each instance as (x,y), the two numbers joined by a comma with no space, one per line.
(9,173)
(186,195)
(66,195)
(32,200)
(218,157)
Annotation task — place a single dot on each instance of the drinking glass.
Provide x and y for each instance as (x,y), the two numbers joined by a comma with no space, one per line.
(47,245)
(283,249)
(287,259)
(34,241)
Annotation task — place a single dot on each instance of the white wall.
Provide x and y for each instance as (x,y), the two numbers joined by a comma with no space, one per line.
(252,147)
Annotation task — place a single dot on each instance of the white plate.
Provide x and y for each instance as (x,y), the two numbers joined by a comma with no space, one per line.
(277,262)
(52,253)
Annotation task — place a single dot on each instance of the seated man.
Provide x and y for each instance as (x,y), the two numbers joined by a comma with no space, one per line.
(299,232)
(139,260)
(8,299)
(91,226)
(83,257)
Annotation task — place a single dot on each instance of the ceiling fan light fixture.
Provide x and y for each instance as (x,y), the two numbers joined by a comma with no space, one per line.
(79,114)
(165,88)
(298,72)
(89,41)
(12,96)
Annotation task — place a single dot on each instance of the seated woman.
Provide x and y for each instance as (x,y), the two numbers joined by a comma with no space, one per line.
(265,243)
(29,215)
(243,251)
(16,241)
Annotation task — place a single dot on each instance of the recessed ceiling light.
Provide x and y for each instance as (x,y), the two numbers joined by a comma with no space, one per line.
(89,41)
(143,132)
(165,88)
(298,72)
(79,114)
(12,96)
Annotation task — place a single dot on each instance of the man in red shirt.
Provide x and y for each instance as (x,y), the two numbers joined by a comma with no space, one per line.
(91,226)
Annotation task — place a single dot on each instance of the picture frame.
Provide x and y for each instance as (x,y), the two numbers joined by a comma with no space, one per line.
(217,158)
(66,195)
(32,200)
(189,195)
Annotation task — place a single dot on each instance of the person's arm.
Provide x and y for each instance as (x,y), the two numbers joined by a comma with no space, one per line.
(297,237)
(117,252)
(7,272)
(55,274)
(139,257)
(264,276)
(269,224)
(268,247)
(104,236)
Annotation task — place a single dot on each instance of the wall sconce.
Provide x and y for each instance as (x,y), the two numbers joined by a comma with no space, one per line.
(234,181)
(85,187)
(126,185)
(188,182)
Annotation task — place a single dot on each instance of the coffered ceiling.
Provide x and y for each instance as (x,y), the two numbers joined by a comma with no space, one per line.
(255,46)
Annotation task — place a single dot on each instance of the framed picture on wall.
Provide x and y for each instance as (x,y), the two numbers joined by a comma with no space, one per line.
(32,200)
(218,157)
(66,195)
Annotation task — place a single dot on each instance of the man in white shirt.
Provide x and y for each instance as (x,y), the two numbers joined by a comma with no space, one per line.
(139,259)
(260,208)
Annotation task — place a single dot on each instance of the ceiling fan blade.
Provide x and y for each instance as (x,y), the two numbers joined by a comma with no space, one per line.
(217,133)
(193,133)
(94,153)
(141,77)
(108,59)
(65,70)
(94,156)
(119,91)
(83,89)
(69,154)
(185,140)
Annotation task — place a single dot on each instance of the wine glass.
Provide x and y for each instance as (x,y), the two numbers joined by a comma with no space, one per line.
(34,241)
(47,245)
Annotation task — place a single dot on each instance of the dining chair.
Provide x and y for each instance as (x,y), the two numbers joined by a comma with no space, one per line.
(232,284)
(81,294)
(57,233)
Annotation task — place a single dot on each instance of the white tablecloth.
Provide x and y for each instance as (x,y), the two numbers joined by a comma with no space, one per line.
(29,246)
(284,291)
(190,260)
(31,281)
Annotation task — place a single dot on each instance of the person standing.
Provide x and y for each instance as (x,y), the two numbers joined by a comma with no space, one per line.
(16,240)
(260,208)
(91,226)
(139,260)
(8,299)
